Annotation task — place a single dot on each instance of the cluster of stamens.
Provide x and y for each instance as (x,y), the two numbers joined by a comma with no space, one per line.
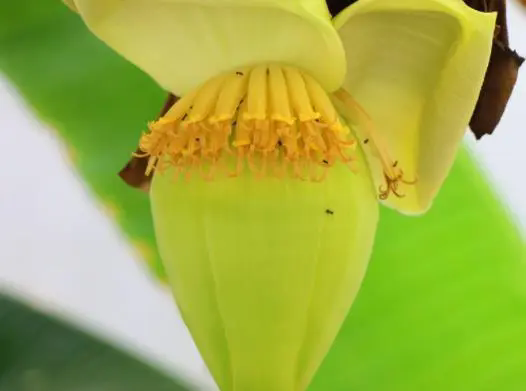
(275,120)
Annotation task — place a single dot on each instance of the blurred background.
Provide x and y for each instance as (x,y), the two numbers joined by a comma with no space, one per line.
(63,253)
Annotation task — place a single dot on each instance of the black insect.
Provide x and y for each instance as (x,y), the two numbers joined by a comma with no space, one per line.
(329,211)
(366,141)
(239,73)
(325,161)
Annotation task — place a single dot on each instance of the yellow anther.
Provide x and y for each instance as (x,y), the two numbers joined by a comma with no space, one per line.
(257,94)
(279,97)
(235,88)
(269,116)
(322,104)
(179,109)
(205,100)
(299,97)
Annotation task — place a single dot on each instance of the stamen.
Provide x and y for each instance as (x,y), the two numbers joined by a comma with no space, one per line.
(279,97)
(205,100)
(234,90)
(257,95)
(322,103)
(299,96)
(393,175)
(273,119)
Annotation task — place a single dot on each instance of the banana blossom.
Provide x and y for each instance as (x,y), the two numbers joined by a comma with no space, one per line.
(268,171)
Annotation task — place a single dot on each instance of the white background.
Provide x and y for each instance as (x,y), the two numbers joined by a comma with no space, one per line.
(73,261)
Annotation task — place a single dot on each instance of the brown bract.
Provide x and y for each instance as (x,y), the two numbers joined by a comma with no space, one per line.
(134,171)
(501,75)
(500,79)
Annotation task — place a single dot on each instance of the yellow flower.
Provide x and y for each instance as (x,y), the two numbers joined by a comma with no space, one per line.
(268,169)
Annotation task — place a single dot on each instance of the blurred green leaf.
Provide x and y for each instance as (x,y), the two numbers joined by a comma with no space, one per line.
(40,353)
(443,306)
(97,102)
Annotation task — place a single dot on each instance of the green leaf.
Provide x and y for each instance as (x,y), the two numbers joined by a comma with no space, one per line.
(97,102)
(41,353)
(443,306)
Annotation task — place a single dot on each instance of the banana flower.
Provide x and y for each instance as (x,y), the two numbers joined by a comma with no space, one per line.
(268,172)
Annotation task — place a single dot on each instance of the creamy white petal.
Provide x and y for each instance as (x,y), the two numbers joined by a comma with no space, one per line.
(181,43)
(416,66)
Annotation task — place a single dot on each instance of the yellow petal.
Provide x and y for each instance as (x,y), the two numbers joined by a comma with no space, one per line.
(416,67)
(181,44)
